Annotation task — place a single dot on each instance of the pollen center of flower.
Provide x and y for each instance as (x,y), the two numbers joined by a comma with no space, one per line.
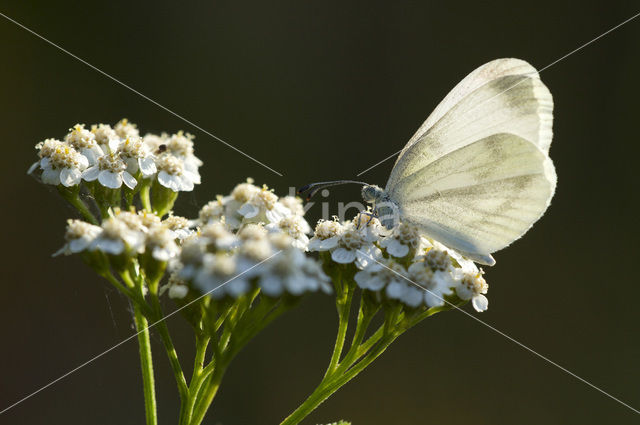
(111,163)
(266,198)
(66,157)
(352,239)
(170,164)
(327,229)
(132,148)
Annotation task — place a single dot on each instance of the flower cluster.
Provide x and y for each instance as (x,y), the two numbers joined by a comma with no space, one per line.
(116,155)
(249,239)
(128,233)
(401,264)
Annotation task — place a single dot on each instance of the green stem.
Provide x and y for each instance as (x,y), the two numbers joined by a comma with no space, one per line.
(145,197)
(146,365)
(366,313)
(343,304)
(326,389)
(197,378)
(210,392)
(73,197)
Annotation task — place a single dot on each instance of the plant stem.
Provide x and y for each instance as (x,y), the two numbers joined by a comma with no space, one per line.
(343,304)
(327,388)
(73,197)
(145,199)
(210,392)
(146,365)
(197,378)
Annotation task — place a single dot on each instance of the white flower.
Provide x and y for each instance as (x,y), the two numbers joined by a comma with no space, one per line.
(263,206)
(381,274)
(161,241)
(110,171)
(116,236)
(181,146)
(177,288)
(191,257)
(79,236)
(84,141)
(294,204)
(137,157)
(218,277)
(155,143)
(290,271)
(354,247)
(142,221)
(294,226)
(326,235)
(212,211)
(173,175)
(60,163)
(106,137)
(179,226)
(252,231)
(218,237)
(405,238)
(473,287)
(240,195)
(436,283)
(126,129)
(370,226)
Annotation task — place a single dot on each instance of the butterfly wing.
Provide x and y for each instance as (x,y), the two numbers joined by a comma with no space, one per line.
(476,79)
(503,96)
(480,197)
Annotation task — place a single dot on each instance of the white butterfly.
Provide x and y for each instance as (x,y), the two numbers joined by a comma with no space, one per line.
(477,175)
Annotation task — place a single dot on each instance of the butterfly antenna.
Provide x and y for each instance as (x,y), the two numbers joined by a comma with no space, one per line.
(313,188)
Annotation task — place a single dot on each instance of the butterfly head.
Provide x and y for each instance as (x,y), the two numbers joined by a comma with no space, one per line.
(372,194)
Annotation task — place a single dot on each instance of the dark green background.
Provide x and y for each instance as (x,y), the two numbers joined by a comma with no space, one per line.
(322,90)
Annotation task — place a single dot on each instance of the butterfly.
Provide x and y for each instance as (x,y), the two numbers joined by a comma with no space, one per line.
(477,173)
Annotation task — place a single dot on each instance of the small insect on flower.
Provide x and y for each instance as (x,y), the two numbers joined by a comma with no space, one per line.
(477,174)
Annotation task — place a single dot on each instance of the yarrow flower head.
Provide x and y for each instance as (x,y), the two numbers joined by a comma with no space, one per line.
(125,129)
(84,141)
(263,206)
(401,265)
(173,175)
(347,242)
(60,163)
(111,171)
(228,260)
(106,137)
(137,157)
(79,236)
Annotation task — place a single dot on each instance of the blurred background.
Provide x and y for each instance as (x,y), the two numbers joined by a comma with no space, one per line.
(320,91)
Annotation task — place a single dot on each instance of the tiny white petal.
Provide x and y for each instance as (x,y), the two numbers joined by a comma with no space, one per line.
(110,179)
(169,181)
(70,177)
(480,303)
(343,256)
(147,166)
(396,289)
(248,210)
(51,176)
(178,291)
(33,167)
(91,173)
(396,248)
(129,180)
